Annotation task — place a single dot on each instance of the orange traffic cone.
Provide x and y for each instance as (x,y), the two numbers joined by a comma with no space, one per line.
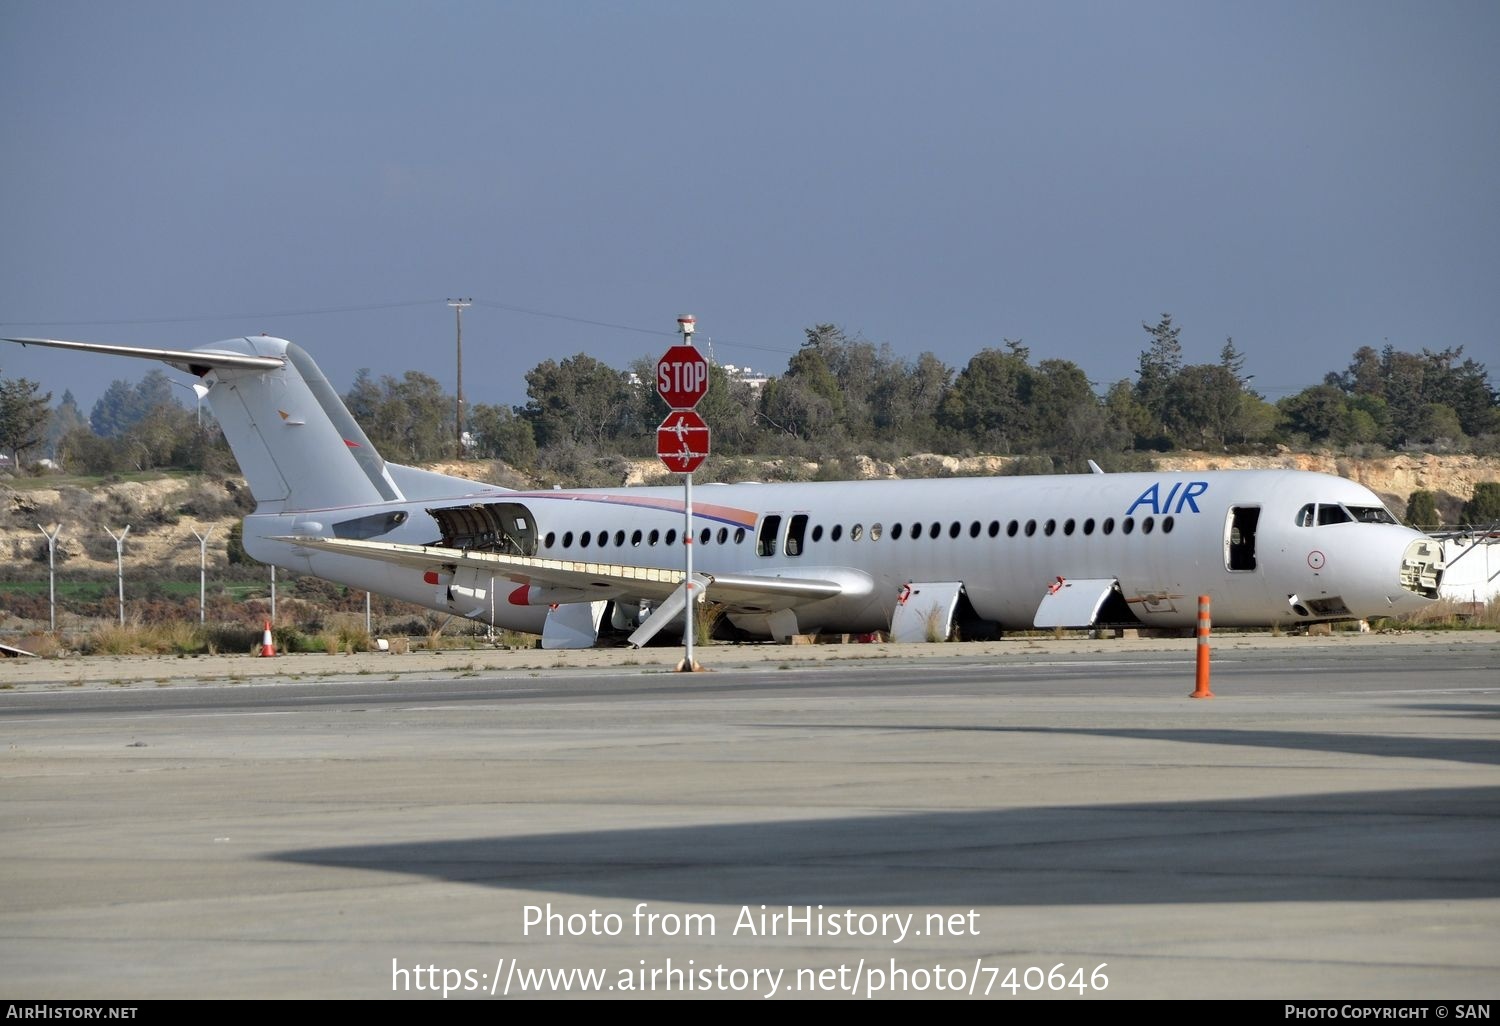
(267,646)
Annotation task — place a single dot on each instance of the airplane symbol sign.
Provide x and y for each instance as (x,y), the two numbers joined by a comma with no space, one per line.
(682,441)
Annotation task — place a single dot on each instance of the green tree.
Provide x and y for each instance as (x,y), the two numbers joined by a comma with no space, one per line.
(578,400)
(83,452)
(988,403)
(1124,413)
(163,437)
(23,416)
(1160,362)
(840,369)
(1483,510)
(1439,425)
(1203,406)
(1404,388)
(500,433)
(124,405)
(234,547)
(809,368)
(421,414)
(66,417)
(1419,397)
(363,399)
(1463,388)
(1320,413)
(906,401)
(1366,375)
(728,409)
(409,419)
(1233,361)
(876,397)
(792,406)
(1421,510)
(1072,424)
(1258,419)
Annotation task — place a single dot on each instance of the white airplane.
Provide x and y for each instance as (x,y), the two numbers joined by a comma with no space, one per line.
(918,558)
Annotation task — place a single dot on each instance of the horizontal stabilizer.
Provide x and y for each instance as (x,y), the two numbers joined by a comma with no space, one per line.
(194,361)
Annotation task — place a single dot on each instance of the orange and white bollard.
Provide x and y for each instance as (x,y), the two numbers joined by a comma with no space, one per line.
(267,646)
(1203,628)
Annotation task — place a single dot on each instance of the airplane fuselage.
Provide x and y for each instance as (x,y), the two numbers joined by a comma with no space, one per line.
(1246,539)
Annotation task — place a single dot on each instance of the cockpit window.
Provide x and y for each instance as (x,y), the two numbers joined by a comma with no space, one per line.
(1372,514)
(1333,513)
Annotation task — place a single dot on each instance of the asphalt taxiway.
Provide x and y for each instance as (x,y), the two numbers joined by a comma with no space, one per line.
(1043,820)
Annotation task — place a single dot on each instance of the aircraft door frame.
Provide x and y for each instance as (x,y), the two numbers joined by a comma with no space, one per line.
(795,541)
(768,535)
(1240,526)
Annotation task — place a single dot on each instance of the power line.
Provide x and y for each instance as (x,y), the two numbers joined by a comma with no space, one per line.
(220,316)
(564,317)
(322,311)
(620,327)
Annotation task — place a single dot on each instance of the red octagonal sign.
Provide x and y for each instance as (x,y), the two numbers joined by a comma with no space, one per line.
(682,441)
(682,377)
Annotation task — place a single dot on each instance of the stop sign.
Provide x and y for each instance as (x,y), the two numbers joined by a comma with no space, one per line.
(682,441)
(682,377)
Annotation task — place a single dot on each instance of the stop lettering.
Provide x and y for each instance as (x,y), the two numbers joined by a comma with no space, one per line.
(682,377)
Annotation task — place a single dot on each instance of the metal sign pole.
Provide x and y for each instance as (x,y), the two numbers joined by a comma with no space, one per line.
(681,381)
(687,543)
(685,324)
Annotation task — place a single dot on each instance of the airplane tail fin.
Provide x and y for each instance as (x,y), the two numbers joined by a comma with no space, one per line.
(297,444)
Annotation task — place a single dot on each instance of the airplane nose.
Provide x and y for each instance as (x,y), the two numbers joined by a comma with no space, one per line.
(1422,567)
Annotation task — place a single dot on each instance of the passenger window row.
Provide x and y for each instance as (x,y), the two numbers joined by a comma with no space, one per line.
(771,526)
(602,540)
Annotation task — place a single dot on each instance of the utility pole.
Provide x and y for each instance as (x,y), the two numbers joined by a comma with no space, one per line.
(458,405)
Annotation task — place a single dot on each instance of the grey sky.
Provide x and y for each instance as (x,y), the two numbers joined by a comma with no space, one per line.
(1305,177)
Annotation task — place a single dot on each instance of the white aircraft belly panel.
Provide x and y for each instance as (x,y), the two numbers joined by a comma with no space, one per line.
(1073,603)
(924,612)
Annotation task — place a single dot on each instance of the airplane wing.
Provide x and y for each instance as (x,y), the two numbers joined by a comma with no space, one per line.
(745,592)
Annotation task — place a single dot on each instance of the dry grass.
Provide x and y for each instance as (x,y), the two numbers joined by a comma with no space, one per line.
(1450,614)
(353,635)
(706,616)
(934,626)
(345,633)
(171,638)
(46,646)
